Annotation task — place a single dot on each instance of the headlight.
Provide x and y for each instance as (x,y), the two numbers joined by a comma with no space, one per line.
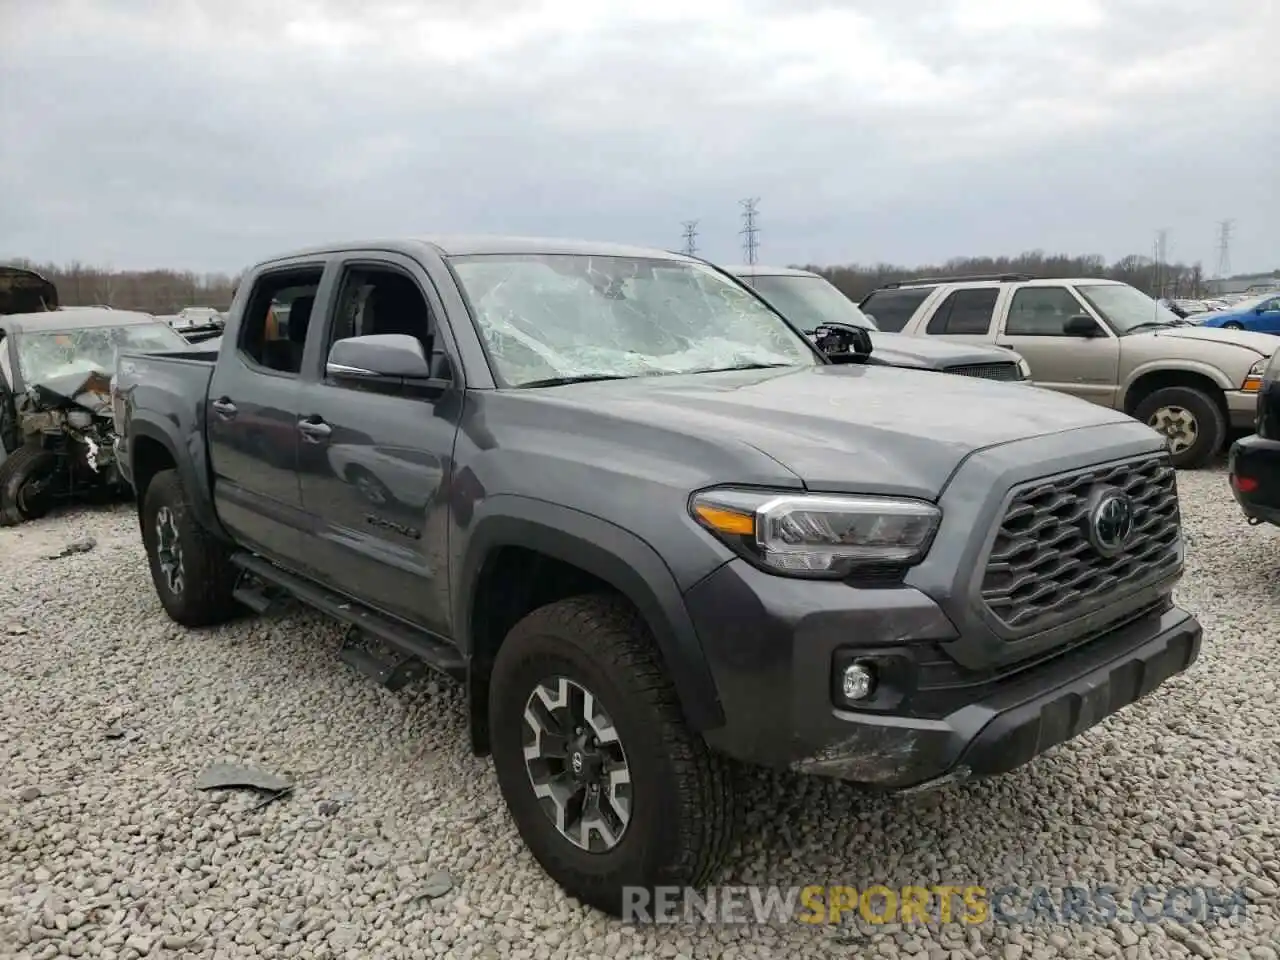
(1024,369)
(1260,371)
(811,535)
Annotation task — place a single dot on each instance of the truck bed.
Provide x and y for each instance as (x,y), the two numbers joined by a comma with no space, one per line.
(164,392)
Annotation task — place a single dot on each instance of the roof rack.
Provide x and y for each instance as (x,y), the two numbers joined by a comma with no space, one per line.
(976,278)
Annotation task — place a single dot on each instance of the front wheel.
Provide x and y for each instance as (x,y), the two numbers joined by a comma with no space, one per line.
(1232,325)
(26,485)
(1193,425)
(610,790)
(191,569)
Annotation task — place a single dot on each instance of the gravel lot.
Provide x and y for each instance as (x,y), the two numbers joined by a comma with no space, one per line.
(395,842)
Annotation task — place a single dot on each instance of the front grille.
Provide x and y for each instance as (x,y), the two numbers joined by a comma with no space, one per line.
(987,371)
(1043,568)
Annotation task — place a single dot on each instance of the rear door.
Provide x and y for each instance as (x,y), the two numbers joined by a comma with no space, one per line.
(252,413)
(1033,325)
(376,457)
(966,315)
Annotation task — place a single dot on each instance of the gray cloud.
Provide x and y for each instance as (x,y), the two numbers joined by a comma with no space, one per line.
(204,135)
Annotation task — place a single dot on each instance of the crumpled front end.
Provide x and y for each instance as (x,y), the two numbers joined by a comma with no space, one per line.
(72,416)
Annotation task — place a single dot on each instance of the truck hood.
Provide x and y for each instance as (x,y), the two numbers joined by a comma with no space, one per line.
(1262,343)
(89,389)
(25,291)
(899,350)
(838,428)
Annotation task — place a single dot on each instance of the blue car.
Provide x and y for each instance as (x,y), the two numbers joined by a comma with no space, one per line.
(1261,314)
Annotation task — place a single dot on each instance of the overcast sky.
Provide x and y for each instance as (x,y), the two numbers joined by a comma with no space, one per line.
(205,134)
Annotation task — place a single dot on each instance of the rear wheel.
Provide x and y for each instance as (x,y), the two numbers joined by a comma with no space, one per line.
(1193,425)
(607,785)
(191,568)
(26,485)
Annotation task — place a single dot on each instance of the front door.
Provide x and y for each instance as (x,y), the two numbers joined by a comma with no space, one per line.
(1034,326)
(375,458)
(252,413)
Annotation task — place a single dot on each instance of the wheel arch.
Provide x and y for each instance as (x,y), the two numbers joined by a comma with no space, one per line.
(155,446)
(1150,378)
(533,552)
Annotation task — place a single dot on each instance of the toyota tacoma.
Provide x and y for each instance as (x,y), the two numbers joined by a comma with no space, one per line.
(653,528)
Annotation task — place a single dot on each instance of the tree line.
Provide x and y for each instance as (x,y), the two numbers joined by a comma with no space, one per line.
(168,291)
(1156,279)
(150,291)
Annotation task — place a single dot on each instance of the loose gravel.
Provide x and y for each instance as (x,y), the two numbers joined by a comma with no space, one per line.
(395,842)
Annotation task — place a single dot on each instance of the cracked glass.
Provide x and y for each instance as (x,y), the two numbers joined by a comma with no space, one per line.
(561,317)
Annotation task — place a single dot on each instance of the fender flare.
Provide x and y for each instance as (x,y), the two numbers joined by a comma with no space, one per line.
(1206,370)
(616,556)
(190,459)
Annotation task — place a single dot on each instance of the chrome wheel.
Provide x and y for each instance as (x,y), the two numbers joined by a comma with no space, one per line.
(1178,425)
(576,765)
(169,550)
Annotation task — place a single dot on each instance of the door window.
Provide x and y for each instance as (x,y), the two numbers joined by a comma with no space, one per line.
(1041,312)
(382,300)
(893,308)
(965,311)
(273,330)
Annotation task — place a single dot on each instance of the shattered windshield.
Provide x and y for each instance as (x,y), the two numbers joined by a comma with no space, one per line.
(551,317)
(48,355)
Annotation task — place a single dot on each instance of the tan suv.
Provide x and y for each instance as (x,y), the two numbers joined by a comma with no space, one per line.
(1100,340)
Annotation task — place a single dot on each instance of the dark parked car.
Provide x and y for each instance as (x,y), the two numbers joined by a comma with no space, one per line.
(1254,463)
(649,525)
(809,300)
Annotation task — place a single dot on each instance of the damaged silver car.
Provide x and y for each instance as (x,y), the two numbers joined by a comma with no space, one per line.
(55,400)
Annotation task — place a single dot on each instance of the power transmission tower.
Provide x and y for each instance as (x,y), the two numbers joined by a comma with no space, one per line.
(750,231)
(1224,248)
(690,237)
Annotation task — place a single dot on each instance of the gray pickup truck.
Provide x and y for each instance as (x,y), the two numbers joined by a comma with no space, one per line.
(651,527)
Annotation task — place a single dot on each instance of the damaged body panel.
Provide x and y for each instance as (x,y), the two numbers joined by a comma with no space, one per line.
(55,411)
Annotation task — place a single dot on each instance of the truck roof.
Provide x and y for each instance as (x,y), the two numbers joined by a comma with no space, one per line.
(461,245)
(755,270)
(74,319)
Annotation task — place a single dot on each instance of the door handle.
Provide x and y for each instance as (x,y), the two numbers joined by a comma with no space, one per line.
(314,430)
(224,408)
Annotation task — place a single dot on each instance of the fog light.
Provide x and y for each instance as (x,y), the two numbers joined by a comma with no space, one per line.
(858,682)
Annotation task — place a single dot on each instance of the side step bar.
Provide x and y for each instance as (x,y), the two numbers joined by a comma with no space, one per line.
(436,654)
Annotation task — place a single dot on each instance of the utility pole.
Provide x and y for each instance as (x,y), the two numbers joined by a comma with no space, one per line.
(750,231)
(690,237)
(1224,248)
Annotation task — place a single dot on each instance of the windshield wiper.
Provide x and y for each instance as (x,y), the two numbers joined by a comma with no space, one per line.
(1152,323)
(745,366)
(561,381)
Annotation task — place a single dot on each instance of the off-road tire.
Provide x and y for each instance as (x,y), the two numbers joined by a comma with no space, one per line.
(1211,422)
(19,469)
(683,816)
(209,578)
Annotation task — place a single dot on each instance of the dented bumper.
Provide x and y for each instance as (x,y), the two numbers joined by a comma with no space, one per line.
(777,646)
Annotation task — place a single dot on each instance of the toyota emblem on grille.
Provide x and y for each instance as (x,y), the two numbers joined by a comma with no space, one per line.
(1110,521)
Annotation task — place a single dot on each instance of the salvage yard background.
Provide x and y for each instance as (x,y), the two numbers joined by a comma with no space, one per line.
(395,842)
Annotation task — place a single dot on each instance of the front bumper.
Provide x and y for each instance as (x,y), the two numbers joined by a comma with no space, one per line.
(1254,471)
(1242,408)
(775,652)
